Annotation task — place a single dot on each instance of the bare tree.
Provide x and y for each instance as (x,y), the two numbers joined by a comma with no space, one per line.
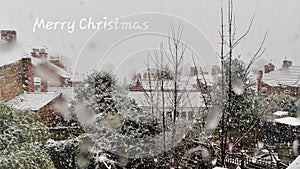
(167,86)
(228,43)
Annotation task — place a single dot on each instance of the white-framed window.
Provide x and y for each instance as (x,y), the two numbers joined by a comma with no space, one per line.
(287,92)
(263,91)
(37,84)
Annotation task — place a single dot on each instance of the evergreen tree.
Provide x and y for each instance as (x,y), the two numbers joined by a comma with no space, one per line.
(97,92)
(115,120)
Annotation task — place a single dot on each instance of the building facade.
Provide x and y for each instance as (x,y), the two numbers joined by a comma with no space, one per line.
(283,81)
(25,78)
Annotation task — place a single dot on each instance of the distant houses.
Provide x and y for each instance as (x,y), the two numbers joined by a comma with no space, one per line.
(155,91)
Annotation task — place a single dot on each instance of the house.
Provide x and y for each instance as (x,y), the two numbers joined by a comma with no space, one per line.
(189,103)
(50,72)
(147,89)
(284,81)
(146,81)
(41,103)
(23,85)
(18,89)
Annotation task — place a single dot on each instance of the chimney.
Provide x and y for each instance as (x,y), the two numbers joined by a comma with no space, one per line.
(269,68)
(55,59)
(43,53)
(260,75)
(39,53)
(286,64)
(9,35)
(27,75)
(194,71)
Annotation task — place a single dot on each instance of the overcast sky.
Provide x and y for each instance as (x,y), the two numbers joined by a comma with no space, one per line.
(281,18)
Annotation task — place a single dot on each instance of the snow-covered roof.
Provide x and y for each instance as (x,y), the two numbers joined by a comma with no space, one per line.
(60,71)
(295,164)
(184,83)
(280,113)
(66,91)
(76,78)
(287,77)
(168,85)
(32,101)
(11,56)
(188,99)
(193,79)
(292,121)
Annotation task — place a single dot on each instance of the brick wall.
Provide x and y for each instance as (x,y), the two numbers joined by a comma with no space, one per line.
(15,78)
(293,91)
(50,116)
(9,35)
(10,80)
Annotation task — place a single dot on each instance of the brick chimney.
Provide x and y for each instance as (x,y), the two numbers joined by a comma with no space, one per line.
(9,36)
(27,75)
(286,64)
(269,68)
(260,75)
(194,71)
(55,59)
(39,53)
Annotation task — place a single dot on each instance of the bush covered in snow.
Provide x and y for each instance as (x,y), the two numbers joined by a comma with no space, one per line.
(22,139)
(63,153)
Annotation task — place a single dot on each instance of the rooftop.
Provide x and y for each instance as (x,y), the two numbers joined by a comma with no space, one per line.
(280,113)
(77,78)
(66,91)
(58,70)
(188,99)
(289,77)
(292,121)
(11,56)
(32,101)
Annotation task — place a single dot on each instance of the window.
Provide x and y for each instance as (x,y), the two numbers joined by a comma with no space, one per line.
(190,115)
(37,84)
(145,75)
(183,115)
(263,91)
(287,92)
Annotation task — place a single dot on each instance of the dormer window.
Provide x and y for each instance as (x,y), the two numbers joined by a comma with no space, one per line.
(37,84)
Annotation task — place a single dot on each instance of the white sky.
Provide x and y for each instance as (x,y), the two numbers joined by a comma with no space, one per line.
(281,18)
